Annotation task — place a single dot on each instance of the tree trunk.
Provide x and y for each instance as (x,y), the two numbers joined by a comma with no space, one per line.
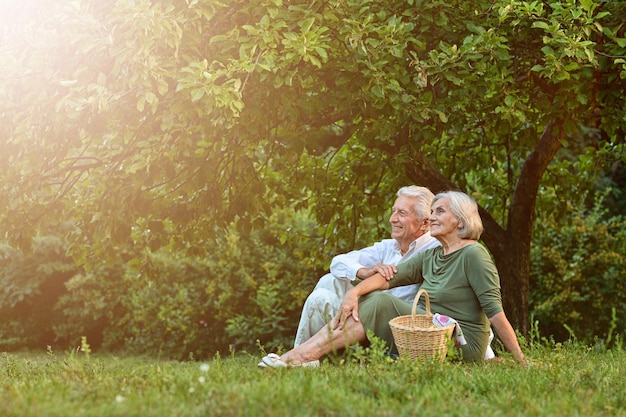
(510,247)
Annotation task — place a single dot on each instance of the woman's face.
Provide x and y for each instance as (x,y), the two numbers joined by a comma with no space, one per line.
(442,221)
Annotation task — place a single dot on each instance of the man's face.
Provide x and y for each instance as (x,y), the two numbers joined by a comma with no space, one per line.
(405,227)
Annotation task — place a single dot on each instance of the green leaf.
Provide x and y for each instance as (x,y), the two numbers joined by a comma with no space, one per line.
(541,25)
(587,5)
(442,115)
(162,86)
(321,52)
(197,94)
(307,24)
(314,60)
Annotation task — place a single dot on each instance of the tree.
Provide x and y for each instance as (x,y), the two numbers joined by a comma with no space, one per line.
(150,118)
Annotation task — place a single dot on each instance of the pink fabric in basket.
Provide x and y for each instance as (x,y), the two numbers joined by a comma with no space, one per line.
(440,320)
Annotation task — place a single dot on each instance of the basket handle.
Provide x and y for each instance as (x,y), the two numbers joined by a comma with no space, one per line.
(416,300)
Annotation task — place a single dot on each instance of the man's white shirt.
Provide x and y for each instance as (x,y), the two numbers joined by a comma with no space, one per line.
(387,251)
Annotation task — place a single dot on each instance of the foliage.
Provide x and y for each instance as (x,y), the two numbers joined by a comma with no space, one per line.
(131,118)
(77,384)
(31,284)
(165,308)
(93,305)
(246,288)
(216,97)
(577,281)
(234,291)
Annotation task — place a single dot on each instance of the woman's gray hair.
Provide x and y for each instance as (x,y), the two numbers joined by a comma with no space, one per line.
(465,209)
(424,199)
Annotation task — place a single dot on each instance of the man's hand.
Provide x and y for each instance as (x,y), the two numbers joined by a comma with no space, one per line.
(349,307)
(387,271)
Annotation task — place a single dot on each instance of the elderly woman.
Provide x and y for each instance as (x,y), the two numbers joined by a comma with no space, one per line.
(460,278)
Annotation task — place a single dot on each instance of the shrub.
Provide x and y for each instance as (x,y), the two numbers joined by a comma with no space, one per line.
(31,285)
(247,286)
(93,307)
(577,275)
(238,288)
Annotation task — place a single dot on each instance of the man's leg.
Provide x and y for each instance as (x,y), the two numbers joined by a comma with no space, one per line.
(320,307)
(326,341)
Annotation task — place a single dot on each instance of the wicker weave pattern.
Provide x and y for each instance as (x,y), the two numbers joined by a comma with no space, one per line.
(417,337)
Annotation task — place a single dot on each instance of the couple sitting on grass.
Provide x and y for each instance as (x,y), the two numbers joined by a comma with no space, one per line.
(434,245)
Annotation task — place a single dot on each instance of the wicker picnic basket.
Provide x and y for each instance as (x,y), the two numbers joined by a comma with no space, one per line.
(417,337)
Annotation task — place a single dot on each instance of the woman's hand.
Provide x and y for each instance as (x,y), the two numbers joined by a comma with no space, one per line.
(350,304)
(349,308)
(386,270)
(506,333)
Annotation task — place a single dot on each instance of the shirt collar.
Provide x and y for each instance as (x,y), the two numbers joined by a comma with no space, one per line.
(416,243)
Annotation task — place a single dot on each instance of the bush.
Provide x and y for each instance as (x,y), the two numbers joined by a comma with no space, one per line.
(246,287)
(240,287)
(164,309)
(31,285)
(577,276)
(93,306)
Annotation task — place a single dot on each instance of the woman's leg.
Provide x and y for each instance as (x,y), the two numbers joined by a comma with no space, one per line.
(375,311)
(477,343)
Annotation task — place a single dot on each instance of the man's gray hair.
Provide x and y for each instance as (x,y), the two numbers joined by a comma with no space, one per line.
(424,199)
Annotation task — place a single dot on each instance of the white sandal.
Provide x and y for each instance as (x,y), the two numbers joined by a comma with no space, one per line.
(273,361)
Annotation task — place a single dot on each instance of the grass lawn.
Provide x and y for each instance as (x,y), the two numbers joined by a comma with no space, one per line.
(560,381)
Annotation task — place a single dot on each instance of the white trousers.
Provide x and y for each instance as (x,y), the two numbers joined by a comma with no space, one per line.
(322,305)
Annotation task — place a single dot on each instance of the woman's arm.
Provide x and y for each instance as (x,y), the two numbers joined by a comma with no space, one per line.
(507,335)
(350,304)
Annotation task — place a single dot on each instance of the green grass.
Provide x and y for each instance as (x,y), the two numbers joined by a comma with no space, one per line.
(561,381)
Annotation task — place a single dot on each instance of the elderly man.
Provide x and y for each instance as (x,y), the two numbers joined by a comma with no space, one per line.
(409,235)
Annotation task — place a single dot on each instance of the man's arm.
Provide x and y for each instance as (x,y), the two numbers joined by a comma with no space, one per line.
(363,263)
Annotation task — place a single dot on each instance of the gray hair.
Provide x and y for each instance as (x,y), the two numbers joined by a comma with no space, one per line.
(424,199)
(465,209)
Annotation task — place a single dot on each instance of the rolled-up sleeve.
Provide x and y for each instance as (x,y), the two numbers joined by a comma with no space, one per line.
(485,281)
(345,266)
